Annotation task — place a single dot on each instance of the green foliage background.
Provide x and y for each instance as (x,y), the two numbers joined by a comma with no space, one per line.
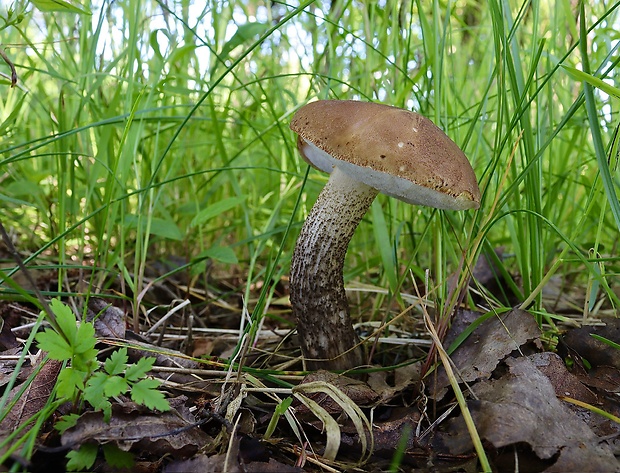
(142,129)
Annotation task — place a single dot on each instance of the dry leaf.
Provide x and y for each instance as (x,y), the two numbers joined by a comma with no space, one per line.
(606,378)
(357,391)
(34,398)
(404,377)
(170,432)
(521,407)
(564,383)
(108,320)
(215,464)
(485,347)
(580,342)
(388,433)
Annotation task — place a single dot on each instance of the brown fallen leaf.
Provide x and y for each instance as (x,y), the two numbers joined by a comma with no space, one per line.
(605,378)
(165,433)
(358,391)
(598,381)
(485,347)
(217,464)
(388,433)
(404,377)
(201,464)
(244,454)
(108,320)
(580,342)
(34,398)
(8,363)
(487,274)
(8,340)
(521,408)
(564,383)
(272,466)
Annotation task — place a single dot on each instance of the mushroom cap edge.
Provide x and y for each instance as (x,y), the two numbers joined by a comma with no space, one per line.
(396,151)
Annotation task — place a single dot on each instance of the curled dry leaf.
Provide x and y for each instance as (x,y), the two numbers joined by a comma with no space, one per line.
(217,463)
(564,383)
(404,377)
(485,347)
(357,391)
(108,320)
(389,432)
(362,425)
(34,398)
(521,408)
(165,433)
(580,342)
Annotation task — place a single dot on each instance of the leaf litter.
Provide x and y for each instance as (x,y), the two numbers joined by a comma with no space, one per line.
(527,403)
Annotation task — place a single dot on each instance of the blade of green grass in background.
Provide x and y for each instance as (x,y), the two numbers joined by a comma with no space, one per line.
(593,119)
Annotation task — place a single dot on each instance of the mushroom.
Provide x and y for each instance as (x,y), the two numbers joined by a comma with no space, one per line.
(367,148)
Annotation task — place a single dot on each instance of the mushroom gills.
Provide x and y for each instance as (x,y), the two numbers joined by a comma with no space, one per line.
(388,184)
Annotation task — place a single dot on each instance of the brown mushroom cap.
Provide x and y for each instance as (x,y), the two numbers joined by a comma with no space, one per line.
(398,152)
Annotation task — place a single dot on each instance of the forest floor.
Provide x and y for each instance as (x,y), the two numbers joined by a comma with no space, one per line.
(539,401)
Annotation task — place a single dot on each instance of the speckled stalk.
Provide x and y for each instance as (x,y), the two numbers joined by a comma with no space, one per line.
(317,290)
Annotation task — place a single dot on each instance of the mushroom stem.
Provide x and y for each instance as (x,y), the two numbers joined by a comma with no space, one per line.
(317,290)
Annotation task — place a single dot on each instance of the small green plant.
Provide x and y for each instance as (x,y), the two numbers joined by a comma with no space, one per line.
(278,412)
(84,457)
(84,379)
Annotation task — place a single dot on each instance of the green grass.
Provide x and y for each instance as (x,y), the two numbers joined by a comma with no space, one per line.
(174,141)
(114,154)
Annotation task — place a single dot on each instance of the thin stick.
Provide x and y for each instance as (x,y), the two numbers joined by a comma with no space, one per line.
(11,66)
